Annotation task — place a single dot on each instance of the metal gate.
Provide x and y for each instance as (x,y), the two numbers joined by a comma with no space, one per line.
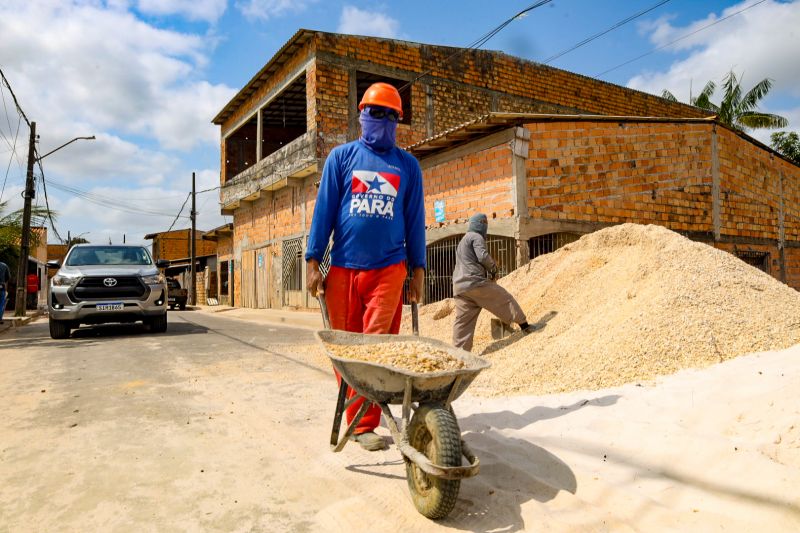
(760,260)
(292,272)
(545,244)
(441,259)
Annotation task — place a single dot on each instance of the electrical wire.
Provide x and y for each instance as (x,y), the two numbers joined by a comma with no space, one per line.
(478,42)
(107,201)
(654,50)
(179,212)
(598,35)
(14,96)
(47,202)
(11,159)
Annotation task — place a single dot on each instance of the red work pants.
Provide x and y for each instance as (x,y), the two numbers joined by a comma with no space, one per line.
(365,301)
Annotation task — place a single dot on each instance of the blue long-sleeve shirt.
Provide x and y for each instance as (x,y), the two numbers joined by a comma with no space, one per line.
(374,206)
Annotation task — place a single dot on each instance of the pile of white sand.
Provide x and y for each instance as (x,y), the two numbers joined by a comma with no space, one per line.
(626,304)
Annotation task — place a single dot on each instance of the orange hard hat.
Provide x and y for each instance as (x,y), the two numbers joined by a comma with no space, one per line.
(382,94)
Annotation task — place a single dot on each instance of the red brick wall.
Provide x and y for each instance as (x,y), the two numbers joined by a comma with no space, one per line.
(480,181)
(500,73)
(175,245)
(609,173)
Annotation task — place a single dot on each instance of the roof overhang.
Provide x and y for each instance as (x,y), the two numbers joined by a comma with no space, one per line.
(225,230)
(493,122)
(287,51)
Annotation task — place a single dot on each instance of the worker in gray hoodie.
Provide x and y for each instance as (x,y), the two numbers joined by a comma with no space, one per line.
(474,287)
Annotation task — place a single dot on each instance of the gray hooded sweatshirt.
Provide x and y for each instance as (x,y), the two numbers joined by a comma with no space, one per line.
(473,261)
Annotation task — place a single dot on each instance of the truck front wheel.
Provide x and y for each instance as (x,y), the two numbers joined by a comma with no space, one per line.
(157,324)
(59,329)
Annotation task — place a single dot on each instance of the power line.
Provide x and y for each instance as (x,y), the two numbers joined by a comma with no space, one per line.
(679,39)
(47,202)
(598,35)
(107,202)
(10,90)
(179,212)
(477,43)
(11,159)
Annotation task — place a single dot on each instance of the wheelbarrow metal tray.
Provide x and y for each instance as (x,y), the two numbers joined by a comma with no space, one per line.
(386,384)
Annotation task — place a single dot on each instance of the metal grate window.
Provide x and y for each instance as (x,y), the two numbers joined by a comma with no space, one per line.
(441,259)
(760,260)
(545,244)
(292,265)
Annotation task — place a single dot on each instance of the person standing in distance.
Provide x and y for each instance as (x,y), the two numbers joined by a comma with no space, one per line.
(370,199)
(5,276)
(474,287)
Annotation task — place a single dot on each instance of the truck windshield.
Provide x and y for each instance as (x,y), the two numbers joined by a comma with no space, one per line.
(109,255)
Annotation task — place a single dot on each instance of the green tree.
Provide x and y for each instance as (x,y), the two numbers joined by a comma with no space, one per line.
(11,232)
(738,110)
(787,143)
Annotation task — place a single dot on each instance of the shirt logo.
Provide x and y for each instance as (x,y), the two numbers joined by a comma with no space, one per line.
(373,193)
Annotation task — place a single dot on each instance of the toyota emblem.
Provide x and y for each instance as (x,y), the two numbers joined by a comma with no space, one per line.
(109,282)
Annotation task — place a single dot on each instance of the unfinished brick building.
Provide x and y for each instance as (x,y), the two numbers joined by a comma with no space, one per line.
(548,154)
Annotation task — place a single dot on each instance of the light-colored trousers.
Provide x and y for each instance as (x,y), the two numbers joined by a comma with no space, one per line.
(491,297)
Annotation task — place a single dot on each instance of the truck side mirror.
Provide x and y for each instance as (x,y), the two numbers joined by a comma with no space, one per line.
(53,264)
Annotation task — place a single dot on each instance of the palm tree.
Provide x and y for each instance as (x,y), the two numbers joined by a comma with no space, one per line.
(11,231)
(702,100)
(735,110)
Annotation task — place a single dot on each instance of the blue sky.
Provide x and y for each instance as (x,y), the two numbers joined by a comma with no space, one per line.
(147,76)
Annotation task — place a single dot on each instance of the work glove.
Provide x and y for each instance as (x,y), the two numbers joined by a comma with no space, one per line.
(493,272)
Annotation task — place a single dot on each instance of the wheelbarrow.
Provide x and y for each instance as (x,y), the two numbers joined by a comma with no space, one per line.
(430,440)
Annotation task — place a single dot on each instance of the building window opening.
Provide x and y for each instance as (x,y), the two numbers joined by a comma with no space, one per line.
(545,244)
(284,118)
(240,149)
(760,260)
(365,79)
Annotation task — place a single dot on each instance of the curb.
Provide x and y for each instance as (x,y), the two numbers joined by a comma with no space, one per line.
(18,322)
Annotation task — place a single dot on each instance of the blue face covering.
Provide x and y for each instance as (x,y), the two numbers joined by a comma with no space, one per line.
(377,133)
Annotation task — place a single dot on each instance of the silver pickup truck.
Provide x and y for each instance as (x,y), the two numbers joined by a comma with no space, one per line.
(99,284)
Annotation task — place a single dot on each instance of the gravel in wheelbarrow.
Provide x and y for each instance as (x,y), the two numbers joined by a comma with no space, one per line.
(379,366)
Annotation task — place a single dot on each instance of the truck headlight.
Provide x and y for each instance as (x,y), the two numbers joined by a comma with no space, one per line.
(155,279)
(64,280)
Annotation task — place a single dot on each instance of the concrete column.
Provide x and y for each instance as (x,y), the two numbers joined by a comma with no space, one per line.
(781,230)
(716,218)
(259,136)
(523,252)
(519,189)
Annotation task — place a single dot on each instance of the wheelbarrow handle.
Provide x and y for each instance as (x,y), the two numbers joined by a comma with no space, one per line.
(326,319)
(415,318)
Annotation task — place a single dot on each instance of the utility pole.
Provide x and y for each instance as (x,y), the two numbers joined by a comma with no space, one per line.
(193,290)
(25,243)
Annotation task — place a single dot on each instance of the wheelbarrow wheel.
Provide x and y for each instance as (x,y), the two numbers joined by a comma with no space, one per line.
(434,431)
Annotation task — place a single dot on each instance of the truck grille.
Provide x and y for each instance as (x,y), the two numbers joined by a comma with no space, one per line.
(94,288)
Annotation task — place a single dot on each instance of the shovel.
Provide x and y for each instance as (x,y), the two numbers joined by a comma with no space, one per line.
(500,330)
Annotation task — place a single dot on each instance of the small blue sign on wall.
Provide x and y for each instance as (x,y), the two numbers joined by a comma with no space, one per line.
(260,261)
(438,210)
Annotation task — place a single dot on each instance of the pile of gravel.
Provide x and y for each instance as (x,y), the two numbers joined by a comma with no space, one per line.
(627,304)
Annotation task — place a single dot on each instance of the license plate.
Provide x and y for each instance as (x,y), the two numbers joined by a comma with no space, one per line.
(171,300)
(111,307)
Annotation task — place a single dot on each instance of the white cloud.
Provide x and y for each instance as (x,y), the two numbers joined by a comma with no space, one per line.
(110,71)
(207,10)
(361,22)
(761,42)
(94,68)
(266,9)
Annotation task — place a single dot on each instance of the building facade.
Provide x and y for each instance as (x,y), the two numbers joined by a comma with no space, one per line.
(470,116)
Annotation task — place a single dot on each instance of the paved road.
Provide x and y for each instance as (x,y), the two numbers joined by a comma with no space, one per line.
(217,425)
